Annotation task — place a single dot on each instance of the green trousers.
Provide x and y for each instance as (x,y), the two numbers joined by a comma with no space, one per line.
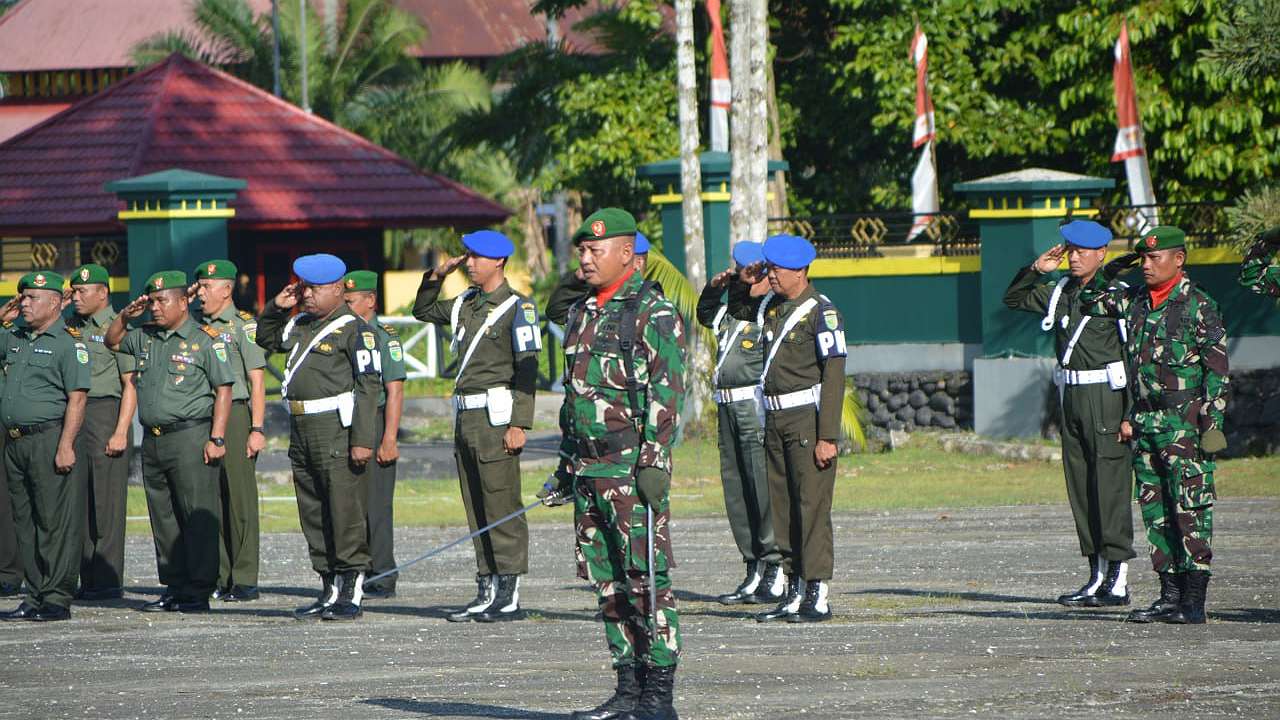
(745,477)
(800,493)
(46,516)
(381,517)
(238,490)
(10,558)
(106,485)
(1098,470)
(490,480)
(1176,491)
(182,501)
(331,493)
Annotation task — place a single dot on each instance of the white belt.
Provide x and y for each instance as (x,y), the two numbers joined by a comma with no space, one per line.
(799,398)
(738,394)
(311,407)
(471,402)
(1079,377)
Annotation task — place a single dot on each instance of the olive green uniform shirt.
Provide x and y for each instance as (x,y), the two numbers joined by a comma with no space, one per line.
(239,332)
(40,370)
(742,362)
(392,354)
(179,371)
(107,366)
(1099,342)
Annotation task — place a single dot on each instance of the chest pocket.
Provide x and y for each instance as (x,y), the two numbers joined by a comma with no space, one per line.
(1174,343)
(799,335)
(40,359)
(181,375)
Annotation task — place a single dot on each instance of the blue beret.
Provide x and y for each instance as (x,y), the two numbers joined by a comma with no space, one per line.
(789,251)
(748,253)
(319,269)
(1086,234)
(642,243)
(489,244)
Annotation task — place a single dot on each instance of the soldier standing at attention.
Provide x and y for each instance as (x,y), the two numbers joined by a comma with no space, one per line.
(105,441)
(624,386)
(246,436)
(47,376)
(743,469)
(1260,272)
(1177,352)
(184,384)
(496,339)
(361,294)
(803,387)
(1092,382)
(331,384)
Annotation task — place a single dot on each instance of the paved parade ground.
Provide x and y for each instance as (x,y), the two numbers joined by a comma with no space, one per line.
(938,614)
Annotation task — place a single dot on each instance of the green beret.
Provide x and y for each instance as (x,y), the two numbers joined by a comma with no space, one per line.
(91,274)
(358,280)
(41,280)
(1163,237)
(167,280)
(216,270)
(606,223)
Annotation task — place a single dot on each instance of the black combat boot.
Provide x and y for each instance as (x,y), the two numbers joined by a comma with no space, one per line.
(506,602)
(625,697)
(1191,607)
(814,607)
(655,698)
(1079,598)
(745,592)
(1171,588)
(772,587)
(328,596)
(789,604)
(350,595)
(1114,590)
(486,592)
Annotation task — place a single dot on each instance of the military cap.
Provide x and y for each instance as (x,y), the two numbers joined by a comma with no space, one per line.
(319,269)
(488,244)
(216,270)
(642,243)
(606,223)
(1086,234)
(166,280)
(789,251)
(41,280)
(748,253)
(90,274)
(360,280)
(1162,237)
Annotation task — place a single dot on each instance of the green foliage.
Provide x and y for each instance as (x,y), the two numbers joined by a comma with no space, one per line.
(1248,47)
(1257,210)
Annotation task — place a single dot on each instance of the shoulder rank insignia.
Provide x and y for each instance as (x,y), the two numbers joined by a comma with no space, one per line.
(390,330)
(73,332)
(244,315)
(210,331)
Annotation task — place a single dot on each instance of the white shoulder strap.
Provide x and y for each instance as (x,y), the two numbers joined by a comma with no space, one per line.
(726,344)
(288,327)
(792,320)
(494,315)
(1051,315)
(764,305)
(291,365)
(1075,337)
(715,323)
(454,312)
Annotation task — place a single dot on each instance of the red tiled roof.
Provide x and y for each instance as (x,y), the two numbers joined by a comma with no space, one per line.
(491,28)
(302,171)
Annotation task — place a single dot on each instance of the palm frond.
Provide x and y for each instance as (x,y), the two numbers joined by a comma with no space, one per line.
(158,47)
(851,416)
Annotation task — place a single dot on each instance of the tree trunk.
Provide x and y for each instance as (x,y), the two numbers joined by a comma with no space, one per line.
(748,120)
(690,169)
(777,181)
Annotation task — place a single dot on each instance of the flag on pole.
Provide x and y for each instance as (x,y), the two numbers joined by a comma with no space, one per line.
(1130,145)
(721,90)
(924,181)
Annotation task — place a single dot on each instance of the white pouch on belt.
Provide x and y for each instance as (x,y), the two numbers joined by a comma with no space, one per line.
(346,408)
(1116,376)
(499,402)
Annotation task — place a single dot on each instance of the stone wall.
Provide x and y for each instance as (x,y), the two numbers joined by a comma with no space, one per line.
(914,401)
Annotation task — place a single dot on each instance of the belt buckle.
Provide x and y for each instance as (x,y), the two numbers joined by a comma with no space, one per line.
(15,433)
(156,430)
(296,407)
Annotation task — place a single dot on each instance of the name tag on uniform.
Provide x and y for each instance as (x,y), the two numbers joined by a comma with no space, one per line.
(42,351)
(98,338)
(187,359)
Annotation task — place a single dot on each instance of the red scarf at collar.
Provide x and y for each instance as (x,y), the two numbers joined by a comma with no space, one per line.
(604,295)
(1160,293)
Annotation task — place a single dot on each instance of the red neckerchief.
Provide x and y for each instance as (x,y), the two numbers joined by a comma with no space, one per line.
(604,295)
(1160,293)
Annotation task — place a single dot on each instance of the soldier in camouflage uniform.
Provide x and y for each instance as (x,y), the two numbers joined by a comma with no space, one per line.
(573,287)
(1177,352)
(624,367)
(1260,272)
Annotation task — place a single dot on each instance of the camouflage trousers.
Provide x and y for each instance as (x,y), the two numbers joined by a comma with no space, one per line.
(611,525)
(1175,494)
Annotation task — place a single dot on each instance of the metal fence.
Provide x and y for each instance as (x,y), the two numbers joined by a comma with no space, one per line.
(866,235)
(1205,223)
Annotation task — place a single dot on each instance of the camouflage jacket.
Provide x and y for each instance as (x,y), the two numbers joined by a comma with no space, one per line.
(1177,354)
(597,408)
(1259,272)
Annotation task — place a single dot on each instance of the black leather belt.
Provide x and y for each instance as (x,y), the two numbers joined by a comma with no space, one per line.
(239,402)
(158,430)
(1167,400)
(19,431)
(608,445)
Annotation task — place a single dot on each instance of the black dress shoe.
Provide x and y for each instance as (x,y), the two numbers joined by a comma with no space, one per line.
(166,603)
(188,607)
(52,613)
(10,589)
(342,611)
(100,594)
(220,593)
(241,593)
(24,611)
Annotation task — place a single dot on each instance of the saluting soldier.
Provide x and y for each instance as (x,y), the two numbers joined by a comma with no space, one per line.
(106,438)
(1178,375)
(496,339)
(803,388)
(1260,272)
(624,387)
(1092,381)
(237,478)
(361,288)
(740,413)
(184,381)
(47,376)
(573,286)
(331,385)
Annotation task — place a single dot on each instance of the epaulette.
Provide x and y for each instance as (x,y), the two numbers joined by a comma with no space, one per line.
(390,330)
(208,330)
(244,315)
(8,324)
(74,332)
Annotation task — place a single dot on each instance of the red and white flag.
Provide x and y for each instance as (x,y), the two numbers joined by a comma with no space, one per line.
(721,89)
(1130,144)
(924,181)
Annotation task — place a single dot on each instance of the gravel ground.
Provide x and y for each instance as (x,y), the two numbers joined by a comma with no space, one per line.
(939,614)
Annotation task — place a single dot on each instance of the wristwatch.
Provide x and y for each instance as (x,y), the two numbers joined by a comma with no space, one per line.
(217,441)
(258,429)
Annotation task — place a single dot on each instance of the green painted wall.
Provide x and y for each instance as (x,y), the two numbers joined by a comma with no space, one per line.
(907,308)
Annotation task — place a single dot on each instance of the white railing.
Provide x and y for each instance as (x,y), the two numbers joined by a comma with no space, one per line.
(415,368)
